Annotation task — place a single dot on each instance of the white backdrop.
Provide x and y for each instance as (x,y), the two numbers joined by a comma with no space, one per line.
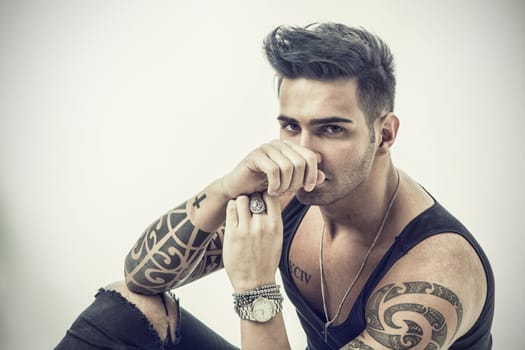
(112,112)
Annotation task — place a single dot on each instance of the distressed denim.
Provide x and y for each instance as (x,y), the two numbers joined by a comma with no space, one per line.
(112,322)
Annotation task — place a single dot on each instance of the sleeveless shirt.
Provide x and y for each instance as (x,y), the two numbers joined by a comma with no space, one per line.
(432,221)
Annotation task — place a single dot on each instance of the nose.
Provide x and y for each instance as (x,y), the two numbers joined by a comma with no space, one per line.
(306,140)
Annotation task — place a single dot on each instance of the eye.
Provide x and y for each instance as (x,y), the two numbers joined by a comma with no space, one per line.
(332,129)
(291,127)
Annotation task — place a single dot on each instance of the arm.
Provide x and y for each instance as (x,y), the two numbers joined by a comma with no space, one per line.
(182,245)
(261,336)
(252,250)
(410,315)
(428,300)
(186,243)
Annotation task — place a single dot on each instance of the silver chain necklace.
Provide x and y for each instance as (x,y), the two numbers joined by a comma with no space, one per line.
(329,322)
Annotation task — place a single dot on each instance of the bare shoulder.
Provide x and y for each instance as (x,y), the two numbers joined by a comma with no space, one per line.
(446,258)
(432,295)
(442,281)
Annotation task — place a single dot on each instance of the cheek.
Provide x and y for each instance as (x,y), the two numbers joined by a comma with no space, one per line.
(343,159)
(335,161)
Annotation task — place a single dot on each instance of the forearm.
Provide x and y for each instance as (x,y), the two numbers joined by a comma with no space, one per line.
(260,336)
(207,210)
(173,250)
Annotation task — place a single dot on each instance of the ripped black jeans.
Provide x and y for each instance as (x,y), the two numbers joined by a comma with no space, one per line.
(112,322)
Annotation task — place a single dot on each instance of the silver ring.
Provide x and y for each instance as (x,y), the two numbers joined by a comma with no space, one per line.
(257,205)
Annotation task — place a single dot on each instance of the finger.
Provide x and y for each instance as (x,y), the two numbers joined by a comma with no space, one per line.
(243,210)
(299,167)
(313,176)
(232,220)
(273,206)
(321,176)
(286,167)
(270,168)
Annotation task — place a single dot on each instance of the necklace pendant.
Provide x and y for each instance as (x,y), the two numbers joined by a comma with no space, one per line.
(325,332)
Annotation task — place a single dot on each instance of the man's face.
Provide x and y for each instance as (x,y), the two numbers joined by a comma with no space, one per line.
(324,116)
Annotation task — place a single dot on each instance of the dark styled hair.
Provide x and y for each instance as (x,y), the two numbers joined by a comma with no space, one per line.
(330,51)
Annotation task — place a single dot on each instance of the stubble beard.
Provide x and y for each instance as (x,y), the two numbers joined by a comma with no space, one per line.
(351,179)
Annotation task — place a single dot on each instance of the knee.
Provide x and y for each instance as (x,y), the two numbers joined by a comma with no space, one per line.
(160,309)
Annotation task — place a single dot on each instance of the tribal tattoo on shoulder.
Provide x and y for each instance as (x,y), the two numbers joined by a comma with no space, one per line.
(396,321)
(172,252)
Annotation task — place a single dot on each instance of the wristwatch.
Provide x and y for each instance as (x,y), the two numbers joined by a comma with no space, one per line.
(260,304)
(260,310)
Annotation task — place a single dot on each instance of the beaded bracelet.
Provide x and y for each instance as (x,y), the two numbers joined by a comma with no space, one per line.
(268,291)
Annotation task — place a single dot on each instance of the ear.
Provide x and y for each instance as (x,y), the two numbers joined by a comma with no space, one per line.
(389,125)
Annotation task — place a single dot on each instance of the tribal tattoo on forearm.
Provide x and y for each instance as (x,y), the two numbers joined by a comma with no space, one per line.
(172,252)
(399,324)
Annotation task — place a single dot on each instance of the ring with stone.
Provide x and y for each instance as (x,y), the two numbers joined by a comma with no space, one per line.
(257,205)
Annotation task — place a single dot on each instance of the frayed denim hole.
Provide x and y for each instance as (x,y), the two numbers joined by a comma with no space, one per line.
(126,303)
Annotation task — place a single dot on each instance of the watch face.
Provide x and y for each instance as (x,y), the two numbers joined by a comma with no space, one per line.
(263,309)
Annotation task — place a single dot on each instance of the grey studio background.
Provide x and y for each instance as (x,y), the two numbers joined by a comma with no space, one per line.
(113,112)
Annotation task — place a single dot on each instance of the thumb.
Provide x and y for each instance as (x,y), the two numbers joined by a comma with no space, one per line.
(320,177)
(232,216)
(273,206)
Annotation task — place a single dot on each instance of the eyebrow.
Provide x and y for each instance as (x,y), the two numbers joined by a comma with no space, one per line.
(317,121)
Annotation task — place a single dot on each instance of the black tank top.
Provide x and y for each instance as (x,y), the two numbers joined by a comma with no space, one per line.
(432,221)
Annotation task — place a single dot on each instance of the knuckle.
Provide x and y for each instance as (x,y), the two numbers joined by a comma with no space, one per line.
(275,143)
(270,226)
(256,153)
(265,147)
(273,170)
(299,163)
(242,199)
(311,158)
(243,229)
(258,230)
(271,223)
(288,167)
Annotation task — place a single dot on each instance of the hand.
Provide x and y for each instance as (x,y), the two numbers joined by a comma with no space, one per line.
(276,167)
(252,243)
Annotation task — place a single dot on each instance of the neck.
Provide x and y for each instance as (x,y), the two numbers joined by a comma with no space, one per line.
(361,211)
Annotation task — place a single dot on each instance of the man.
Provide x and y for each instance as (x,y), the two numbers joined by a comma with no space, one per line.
(369,259)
